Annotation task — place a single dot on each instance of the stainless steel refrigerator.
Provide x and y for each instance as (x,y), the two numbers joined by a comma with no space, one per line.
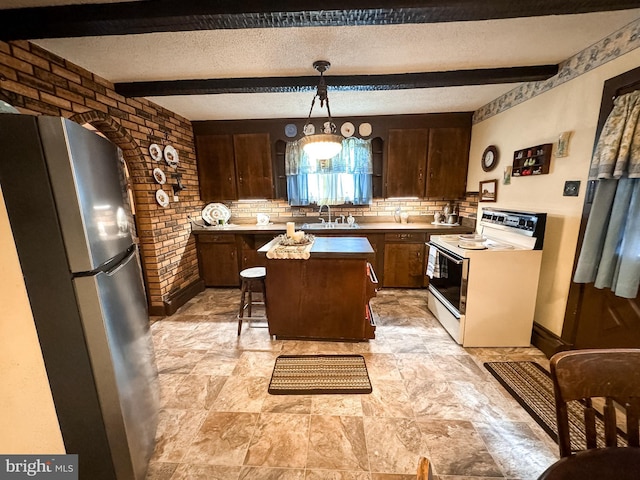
(67,202)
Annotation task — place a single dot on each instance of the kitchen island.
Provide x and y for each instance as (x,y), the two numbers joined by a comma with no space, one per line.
(325,296)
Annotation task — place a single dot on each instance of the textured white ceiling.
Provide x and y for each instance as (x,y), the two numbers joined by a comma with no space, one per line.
(351,50)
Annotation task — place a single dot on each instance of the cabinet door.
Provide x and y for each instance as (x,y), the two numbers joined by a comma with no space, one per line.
(406,162)
(404,265)
(218,261)
(253,165)
(216,170)
(447,161)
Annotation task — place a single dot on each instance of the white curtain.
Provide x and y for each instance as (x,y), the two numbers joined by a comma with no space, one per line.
(610,255)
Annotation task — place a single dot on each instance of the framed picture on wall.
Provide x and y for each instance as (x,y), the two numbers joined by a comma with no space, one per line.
(488,191)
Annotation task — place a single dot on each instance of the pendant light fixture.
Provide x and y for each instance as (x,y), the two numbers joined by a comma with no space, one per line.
(327,144)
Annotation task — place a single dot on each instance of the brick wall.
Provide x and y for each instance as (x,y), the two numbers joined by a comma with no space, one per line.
(37,82)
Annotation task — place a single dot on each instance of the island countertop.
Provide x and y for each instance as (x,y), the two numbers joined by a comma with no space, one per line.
(333,247)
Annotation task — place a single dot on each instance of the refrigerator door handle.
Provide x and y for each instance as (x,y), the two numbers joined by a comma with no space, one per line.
(123,263)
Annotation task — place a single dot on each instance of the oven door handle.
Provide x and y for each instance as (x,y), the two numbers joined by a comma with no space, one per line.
(446,255)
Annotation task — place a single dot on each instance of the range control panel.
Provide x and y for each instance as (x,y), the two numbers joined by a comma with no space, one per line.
(526,223)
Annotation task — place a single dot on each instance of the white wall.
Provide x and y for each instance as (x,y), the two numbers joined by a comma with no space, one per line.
(572,106)
(28,422)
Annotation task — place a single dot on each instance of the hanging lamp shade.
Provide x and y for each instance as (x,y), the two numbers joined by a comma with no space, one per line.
(322,145)
(328,144)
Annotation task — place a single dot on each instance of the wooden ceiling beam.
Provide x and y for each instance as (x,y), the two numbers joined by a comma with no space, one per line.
(82,20)
(337,82)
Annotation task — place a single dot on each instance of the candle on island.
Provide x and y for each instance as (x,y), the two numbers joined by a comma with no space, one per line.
(291,228)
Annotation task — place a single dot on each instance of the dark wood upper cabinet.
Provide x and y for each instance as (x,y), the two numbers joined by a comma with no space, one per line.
(232,167)
(423,155)
(406,162)
(253,165)
(447,162)
(216,167)
(428,162)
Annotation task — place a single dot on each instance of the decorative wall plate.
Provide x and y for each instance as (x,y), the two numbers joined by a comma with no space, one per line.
(290,130)
(347,129)
(155,151)
(171,156)
(162,198)
(309,129)
(159,176)
(365,129)
(214,212)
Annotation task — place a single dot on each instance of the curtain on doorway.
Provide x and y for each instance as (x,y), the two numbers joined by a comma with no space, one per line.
(610,255)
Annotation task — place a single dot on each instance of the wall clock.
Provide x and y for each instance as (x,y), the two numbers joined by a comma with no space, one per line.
(490,158)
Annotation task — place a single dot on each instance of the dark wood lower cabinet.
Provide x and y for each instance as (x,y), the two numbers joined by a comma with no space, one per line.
(404,260)
(218,260)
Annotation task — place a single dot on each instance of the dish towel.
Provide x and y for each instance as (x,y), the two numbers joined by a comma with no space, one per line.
(433,263)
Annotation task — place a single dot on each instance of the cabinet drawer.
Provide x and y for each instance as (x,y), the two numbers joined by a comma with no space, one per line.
(414,237)
(216,238)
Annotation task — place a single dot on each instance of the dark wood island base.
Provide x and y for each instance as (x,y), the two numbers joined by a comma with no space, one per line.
(325,296)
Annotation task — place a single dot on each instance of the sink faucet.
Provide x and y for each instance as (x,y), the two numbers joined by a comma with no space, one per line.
(328,211)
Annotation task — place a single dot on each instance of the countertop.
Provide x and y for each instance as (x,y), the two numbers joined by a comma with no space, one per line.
(333,247)
(365,227)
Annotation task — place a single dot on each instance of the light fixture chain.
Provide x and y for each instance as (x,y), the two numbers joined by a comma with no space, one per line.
(313,102)
(329,113)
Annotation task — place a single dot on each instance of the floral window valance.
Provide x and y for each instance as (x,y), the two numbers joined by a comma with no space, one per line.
(618,150)
(355,157)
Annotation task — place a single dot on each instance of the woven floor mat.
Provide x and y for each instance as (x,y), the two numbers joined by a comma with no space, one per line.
(319,374)
(531,385)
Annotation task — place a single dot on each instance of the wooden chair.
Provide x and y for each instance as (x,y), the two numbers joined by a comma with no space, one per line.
(424,469)
(608,376)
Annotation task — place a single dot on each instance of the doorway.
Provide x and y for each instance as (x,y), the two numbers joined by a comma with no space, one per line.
(597,318)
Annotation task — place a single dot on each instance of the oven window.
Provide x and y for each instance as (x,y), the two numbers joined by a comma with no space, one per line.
(449,284)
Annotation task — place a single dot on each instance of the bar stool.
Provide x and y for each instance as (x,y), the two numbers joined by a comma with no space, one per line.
(253,280)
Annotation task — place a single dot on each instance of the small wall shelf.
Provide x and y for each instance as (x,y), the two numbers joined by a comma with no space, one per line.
(532,160)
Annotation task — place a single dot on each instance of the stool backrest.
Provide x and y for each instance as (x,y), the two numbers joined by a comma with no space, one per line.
(612,378)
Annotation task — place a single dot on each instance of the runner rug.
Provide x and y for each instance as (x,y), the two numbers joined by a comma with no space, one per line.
(319,374)
(531,385)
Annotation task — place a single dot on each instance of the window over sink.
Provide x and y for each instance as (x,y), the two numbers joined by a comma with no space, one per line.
(345,178)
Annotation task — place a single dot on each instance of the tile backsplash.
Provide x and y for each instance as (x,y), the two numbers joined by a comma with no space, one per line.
(246,211)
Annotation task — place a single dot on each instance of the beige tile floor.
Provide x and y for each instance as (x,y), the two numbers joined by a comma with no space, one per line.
(430,398)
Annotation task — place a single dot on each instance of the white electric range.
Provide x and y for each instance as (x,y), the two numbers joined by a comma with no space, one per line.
(483,287)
